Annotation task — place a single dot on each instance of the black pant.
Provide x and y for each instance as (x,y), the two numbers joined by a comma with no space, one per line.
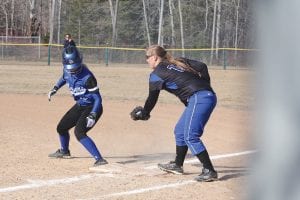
(76,117)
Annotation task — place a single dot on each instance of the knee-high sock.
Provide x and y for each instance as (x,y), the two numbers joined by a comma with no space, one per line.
(180,154)
(91,147)
(205,160)
(64,141)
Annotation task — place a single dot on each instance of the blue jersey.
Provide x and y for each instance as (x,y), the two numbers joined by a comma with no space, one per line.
(83,87)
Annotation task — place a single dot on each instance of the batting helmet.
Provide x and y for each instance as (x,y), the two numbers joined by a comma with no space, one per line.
(72,60)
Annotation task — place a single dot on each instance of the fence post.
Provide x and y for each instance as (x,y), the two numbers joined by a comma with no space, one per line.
(39,46)
(2,48)
(224,59)
(106,56)
(49,53)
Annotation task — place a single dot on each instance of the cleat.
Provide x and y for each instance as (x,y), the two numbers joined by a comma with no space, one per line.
(100,162)
(171,167)
(207,176)
(60,154)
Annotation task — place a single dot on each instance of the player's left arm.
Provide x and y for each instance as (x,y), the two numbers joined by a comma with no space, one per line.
(93,90)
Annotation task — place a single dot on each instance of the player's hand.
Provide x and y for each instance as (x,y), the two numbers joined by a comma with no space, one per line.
(52,92)
(138,113)
(90,120)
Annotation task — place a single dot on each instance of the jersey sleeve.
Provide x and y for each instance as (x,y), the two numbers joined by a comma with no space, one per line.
(155,85)
(61,82)
(91,85)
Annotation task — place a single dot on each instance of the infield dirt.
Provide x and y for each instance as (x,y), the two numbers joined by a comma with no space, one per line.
(28,134)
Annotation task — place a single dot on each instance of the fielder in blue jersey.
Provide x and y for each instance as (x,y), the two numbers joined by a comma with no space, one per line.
(189,80)
(87,109)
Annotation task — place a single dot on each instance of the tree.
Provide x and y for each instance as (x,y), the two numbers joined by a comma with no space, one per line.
(51,24)
(213,32)
(114,14)
(161,15)
(146,23)
(58,21)
(171,7)
(218,28)
(181,27)
(4,6)
(191,24)
(237,6)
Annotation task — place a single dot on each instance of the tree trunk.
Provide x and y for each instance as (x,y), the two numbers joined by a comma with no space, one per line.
(161,11)
(213,33)
(58,20)
(181,28)
(113,13)
(79,31)
(32,18)
(237,5)
(206,15)
(32,3)
(218,28)
(146,23)
(6,22)
(12,17)
(52,22)
(171,7)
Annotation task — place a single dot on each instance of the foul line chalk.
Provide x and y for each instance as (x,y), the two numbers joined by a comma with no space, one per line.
(142,190)
(172,185)
(216,157)
(41,183)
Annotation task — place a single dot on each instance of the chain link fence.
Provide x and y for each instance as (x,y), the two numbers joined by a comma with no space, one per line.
(31,49)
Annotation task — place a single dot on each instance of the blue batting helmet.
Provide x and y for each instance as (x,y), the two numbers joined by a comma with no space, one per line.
(72,60)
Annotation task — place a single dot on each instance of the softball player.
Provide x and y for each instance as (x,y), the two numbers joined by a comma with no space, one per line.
(87,109)
(189,80)
(68,41)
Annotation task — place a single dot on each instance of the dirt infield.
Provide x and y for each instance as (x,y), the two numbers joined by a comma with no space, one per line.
(28,123)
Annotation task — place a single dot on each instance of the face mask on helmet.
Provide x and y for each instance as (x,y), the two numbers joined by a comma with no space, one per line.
(72,60)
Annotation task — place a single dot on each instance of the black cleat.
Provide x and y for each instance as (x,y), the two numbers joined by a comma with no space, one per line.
(100,162)
(207,176)
(171,167)
(60,154)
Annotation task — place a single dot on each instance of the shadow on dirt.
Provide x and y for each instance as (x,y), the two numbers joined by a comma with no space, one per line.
(146,158)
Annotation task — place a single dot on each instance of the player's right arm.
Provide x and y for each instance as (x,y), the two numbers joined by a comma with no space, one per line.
(61,82)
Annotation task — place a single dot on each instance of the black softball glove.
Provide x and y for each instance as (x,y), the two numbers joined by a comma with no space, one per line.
(138,113)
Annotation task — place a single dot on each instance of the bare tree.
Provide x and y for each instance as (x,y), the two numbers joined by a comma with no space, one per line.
(216,22)
(59,22)
(31,3)
(181,27)
(31,24)
(218,28)
(114,13)
(4,6)
(52,22)
(237,6)
(213,32)
(171,7)
(12,16)
(79,30)
(206,15)
(146,23)
(161,12)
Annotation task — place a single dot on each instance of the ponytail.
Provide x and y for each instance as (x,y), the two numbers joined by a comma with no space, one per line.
(166,56)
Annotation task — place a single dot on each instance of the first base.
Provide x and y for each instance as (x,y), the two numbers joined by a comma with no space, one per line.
(108,168)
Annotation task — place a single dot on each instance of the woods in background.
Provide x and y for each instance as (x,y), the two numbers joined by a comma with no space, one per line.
(133,23)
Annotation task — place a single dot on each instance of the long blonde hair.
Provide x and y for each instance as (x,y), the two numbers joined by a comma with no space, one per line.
(166,56)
